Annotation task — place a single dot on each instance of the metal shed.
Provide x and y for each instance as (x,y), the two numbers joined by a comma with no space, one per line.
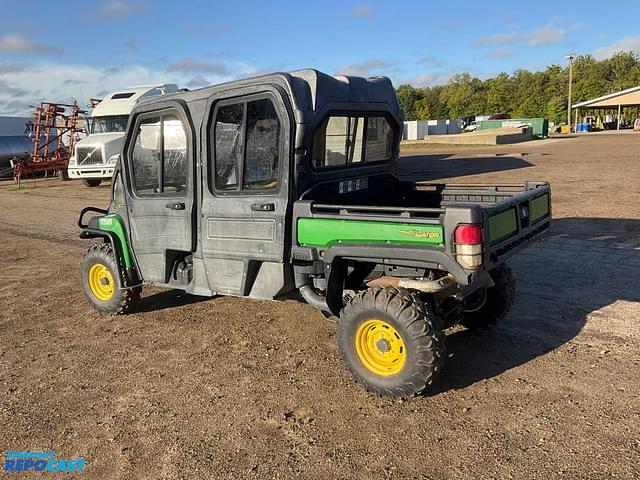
(619,101)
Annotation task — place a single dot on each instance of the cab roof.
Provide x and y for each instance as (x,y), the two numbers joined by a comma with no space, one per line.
(311,91)
(122,102)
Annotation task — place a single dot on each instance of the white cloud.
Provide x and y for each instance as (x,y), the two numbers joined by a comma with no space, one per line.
(497,39)
(67,81)
(362,11)
(629,44)
(21,107)
(578,26)
(198,82)
(117,9)
(10,90)
(12,67)
(428,79)
(189,65)
(431,61)
(16,44)
(364,69)
(545,35)
(499,53)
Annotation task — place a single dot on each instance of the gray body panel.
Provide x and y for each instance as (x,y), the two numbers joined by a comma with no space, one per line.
(237,247)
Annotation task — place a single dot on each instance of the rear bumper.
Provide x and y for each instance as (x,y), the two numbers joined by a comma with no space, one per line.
(99,171)
(411,256)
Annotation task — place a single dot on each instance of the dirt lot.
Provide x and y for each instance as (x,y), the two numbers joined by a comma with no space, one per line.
(231,388)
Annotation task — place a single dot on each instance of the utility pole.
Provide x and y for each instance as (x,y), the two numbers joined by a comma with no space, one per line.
(570,57)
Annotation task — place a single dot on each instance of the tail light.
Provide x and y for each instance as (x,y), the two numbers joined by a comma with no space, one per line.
(468,243)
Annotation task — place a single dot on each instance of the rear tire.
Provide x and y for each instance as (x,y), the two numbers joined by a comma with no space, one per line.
(92,182)
(391,342)
(491,305)
(102,282)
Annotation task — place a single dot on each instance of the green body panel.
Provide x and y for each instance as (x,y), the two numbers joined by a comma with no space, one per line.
(113,223)
(323,232)
(502,226)
(539,208)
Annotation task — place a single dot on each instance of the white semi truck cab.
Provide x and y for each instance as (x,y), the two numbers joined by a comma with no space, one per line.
(94,157)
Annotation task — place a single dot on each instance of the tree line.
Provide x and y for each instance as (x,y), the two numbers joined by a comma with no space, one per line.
(524,93)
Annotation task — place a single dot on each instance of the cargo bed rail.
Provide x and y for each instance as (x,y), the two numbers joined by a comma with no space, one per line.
(480,194)
(376,211)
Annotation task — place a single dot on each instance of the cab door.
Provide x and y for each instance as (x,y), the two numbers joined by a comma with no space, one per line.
(245,205)
(160,190)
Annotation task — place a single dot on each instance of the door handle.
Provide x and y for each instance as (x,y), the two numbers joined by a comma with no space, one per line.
(175,205)
(263,207)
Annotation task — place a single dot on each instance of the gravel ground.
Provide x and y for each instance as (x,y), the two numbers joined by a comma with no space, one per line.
(231,388)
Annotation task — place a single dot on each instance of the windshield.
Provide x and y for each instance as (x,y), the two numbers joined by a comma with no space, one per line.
(116,123)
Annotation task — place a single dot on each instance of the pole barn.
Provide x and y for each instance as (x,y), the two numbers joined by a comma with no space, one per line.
(618,103)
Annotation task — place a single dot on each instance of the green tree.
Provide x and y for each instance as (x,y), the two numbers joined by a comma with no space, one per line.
(500,94)
(622,71)
(465,95)
(591,78)
(524,93)
(555,93)
(408,96)
(430,107)
(422,110)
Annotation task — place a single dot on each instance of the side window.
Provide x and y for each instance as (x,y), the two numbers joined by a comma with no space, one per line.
(342,140)
(175,155)
(262,146)
(145,158)
(159,156)
(228,142)
(246,152)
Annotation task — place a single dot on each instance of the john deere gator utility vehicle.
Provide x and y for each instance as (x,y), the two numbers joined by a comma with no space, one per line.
(285,185)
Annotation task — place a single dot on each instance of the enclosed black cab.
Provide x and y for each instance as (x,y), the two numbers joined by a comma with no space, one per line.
(212,174)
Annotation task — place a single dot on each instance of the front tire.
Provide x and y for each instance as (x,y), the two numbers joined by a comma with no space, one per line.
(92,182)
(391,342)
(102,282)
(488,306)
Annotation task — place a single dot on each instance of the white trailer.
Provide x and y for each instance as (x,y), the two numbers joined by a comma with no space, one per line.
(94,157)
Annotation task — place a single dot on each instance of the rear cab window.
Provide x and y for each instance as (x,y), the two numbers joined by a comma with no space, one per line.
(352,139)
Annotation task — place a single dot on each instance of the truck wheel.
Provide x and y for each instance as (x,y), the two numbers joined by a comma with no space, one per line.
(102,282)
(92,182)
(391,342)
(490,305)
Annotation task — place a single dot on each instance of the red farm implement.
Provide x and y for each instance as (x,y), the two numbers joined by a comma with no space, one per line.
(54,135)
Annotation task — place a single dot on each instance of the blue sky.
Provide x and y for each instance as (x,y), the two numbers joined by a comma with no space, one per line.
(98,46)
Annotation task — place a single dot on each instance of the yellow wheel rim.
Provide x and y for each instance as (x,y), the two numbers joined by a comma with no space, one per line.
(101,282)
(380,347)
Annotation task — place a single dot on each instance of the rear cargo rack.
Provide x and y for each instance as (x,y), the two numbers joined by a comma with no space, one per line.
(481,194)
(365,210)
